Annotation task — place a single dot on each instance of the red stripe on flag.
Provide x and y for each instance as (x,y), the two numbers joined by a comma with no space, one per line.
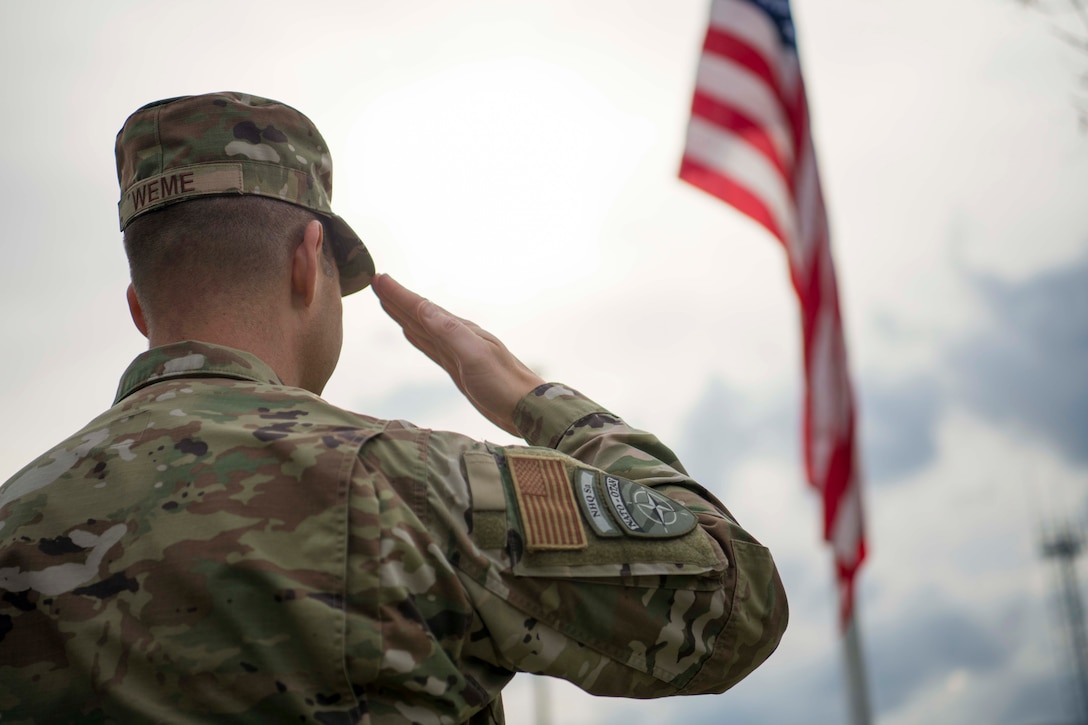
(731,191)
(836,482)
(721,43)
(730,119)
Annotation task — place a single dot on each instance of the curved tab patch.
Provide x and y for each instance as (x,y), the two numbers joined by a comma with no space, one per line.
(642,511)
(593,506)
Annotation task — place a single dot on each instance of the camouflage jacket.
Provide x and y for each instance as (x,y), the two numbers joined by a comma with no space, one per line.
(218,546)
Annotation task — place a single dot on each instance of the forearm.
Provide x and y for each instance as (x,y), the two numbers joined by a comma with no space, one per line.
(575,553)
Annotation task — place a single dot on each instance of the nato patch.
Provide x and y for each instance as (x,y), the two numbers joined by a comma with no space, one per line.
(642,511)
(592,505)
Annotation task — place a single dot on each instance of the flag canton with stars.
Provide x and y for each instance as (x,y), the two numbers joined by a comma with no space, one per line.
(779,12)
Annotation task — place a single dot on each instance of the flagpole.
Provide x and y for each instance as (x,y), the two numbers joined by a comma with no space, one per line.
(749,143)
(857,685)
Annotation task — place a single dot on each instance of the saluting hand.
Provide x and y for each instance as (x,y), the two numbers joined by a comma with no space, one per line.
(483,369)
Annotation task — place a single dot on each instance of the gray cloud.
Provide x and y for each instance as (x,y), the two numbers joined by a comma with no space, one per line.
(1040,700)
(1030,367)
(897,422)
(725,427)
(925,649)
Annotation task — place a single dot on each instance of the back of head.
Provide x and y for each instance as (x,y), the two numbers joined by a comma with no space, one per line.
(214,253)
(216,152)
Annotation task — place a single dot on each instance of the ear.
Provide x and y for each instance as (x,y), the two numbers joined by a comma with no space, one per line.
(306,263)
(136,311)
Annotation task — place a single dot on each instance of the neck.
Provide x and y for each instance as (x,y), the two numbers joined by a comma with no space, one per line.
(272,344)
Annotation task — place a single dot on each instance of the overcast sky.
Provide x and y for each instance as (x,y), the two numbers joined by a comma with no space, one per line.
(517,163)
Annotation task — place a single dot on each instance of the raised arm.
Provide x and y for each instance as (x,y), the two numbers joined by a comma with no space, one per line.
(590,555)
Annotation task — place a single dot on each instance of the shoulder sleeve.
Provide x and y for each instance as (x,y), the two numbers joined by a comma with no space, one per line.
(592,556)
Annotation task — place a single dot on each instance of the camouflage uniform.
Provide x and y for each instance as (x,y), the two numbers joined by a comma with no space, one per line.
(218,546)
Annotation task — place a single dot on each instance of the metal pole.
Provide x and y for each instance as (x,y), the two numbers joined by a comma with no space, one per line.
(1066,545)
(857,685)
(1074,611)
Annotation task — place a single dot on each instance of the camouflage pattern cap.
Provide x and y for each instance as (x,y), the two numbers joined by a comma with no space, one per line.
(219,144)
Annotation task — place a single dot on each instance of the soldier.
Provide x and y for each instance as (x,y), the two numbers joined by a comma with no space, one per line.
(223,544)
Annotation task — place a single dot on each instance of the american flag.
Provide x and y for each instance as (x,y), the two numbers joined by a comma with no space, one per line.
(749,144)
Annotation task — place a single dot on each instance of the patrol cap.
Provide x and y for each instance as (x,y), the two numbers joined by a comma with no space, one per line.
(219,144)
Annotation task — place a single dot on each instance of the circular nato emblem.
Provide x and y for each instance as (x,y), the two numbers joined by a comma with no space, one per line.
(643,511)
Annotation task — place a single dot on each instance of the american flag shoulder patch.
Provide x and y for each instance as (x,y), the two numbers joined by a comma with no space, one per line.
(545,494)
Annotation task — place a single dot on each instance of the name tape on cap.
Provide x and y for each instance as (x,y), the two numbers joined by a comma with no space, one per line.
(180,183)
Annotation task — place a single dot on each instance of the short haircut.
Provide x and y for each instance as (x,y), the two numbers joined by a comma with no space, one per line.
(231,247)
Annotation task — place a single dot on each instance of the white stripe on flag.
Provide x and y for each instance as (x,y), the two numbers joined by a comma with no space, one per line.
(733,85)
(749,23)
(846,531)
(829,389)
(811,215)
(732,156)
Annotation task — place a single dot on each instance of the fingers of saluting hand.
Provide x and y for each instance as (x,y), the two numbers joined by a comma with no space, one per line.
(426,325)
(404,305)
(482,368)
(401,303)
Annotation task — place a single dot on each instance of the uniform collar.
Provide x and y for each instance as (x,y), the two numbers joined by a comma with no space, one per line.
(191,359)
